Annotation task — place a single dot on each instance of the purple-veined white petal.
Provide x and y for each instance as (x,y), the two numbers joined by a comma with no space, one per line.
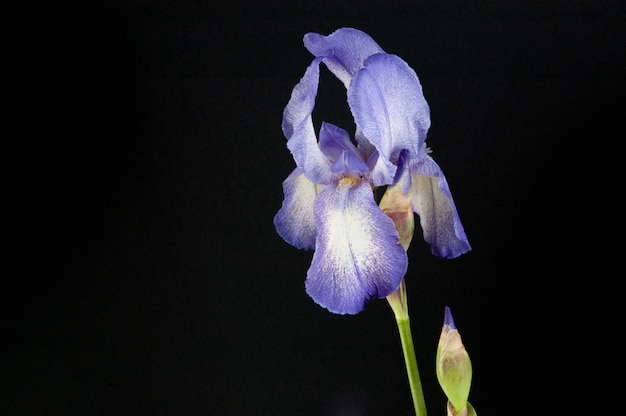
(294,221)
(298,128)
(388,105)
(357,254)
(432,201)
(343,51)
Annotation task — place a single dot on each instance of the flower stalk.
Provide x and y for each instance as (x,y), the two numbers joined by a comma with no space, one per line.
(398,303)
(396,204)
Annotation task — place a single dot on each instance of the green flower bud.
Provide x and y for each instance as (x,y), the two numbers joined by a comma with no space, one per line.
(454,369)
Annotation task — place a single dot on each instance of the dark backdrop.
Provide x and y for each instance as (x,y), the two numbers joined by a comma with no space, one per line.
(144,167)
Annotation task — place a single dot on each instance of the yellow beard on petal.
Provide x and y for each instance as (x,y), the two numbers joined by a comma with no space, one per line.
(349,181)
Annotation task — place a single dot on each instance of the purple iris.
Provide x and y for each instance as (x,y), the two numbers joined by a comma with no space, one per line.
(329,203)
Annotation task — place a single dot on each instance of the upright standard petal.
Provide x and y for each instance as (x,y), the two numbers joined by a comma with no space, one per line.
(432,201)
(294,221)
(344,50)
(357,253)
(298,128)
(388,105)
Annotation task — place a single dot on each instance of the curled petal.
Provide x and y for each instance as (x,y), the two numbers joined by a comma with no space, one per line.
(357,253)
(389,107)
(432,201)
(298,128)
(294,221)
(343,51)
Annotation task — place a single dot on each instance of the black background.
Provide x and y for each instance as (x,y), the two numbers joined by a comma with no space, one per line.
(144,162)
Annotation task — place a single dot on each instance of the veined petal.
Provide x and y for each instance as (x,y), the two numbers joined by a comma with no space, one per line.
(388,105)
(357,253)
(432,201)
(298,128)
(343,51)
(294,221)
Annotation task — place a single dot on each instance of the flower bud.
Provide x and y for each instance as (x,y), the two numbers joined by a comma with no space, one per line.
(453,366)
(397,205)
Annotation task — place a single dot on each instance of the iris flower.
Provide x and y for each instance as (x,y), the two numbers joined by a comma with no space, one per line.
(329,198)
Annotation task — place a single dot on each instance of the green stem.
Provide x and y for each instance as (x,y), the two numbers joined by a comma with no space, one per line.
(417,393)
(399,304)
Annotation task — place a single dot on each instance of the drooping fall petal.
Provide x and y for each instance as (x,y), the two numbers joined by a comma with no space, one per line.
(432,201)
(294,221)
(357,254)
